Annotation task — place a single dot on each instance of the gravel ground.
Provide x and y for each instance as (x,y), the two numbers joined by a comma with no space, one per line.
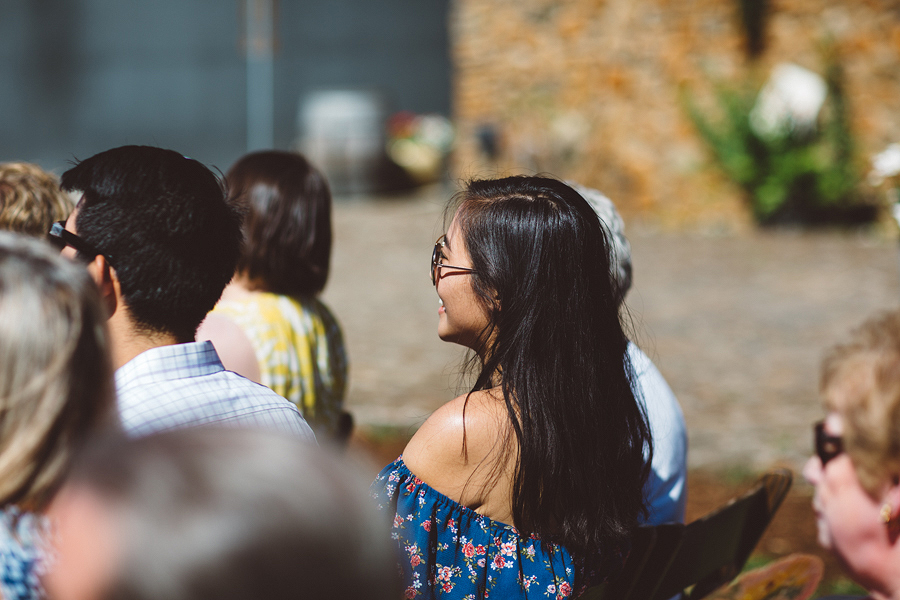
(737,324)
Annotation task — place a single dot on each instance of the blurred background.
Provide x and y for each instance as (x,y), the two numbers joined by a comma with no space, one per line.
(707,114)
(749,144)
(81,76)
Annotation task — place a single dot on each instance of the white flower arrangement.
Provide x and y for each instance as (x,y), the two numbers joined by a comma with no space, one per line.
(884,174)
(789,103)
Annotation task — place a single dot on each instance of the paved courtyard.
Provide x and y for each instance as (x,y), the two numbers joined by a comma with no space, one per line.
(737,325)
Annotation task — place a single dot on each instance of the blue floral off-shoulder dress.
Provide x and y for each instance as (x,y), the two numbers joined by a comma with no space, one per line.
(450,551)
(22,559)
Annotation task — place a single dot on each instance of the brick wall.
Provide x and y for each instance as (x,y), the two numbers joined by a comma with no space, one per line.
(588,89)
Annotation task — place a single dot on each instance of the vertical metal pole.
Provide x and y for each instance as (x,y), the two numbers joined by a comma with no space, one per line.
(260,74)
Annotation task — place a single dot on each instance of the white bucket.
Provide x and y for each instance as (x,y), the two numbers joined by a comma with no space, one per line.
(342,132)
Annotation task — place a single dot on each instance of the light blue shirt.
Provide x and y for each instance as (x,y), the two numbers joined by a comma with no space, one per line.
(185,385)
(666,487)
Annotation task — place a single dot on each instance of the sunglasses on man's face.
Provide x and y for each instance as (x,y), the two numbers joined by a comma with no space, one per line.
(61,237)
(827,446)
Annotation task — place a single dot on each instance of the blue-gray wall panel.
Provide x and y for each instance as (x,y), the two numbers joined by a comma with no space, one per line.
(80,76)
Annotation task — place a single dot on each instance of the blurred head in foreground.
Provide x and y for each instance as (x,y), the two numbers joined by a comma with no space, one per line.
(222,514)
(55,372)
(856,470)
(30,199)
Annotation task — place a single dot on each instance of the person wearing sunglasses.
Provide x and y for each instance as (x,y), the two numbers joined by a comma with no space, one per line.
(531,483)
(856,466)
(156,234)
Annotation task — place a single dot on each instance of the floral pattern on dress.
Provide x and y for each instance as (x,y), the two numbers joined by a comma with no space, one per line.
(21,555)
(449,551)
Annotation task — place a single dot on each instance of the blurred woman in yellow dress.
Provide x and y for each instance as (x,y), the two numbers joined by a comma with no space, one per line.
(270,325)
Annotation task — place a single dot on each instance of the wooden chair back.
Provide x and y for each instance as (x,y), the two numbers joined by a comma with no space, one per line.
(715,547)
(671,559)
(652,547)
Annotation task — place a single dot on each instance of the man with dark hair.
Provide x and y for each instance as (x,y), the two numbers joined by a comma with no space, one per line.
(159,239)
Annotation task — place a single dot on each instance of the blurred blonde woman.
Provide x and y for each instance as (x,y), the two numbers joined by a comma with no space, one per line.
(856,469)
(55,389)
(30,199)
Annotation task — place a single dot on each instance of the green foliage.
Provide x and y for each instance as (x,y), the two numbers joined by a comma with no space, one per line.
(385,434)
(841,586)
(797,177)
(757,560)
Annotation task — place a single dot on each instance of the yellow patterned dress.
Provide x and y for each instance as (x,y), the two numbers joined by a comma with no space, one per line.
(300,349)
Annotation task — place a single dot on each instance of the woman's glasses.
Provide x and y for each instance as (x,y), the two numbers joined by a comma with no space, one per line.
(437,265)
(827,446)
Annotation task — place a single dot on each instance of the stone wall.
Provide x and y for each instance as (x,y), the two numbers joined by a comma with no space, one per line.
(589,90)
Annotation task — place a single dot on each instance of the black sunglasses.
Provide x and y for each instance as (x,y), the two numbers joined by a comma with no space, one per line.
(437,265)
(61,237)
(827,446)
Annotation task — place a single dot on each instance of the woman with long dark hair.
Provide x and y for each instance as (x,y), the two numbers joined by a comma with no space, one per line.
(530,484)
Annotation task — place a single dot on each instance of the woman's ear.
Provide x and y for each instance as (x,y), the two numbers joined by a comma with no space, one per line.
(892,494)
(890,508)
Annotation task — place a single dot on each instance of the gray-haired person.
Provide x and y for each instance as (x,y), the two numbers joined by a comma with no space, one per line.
(218,514)
(666,487)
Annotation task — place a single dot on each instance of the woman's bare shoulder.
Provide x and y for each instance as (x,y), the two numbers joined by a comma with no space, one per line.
(234,348)
(436,454)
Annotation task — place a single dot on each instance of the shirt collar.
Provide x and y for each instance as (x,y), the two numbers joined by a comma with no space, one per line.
(164,363)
